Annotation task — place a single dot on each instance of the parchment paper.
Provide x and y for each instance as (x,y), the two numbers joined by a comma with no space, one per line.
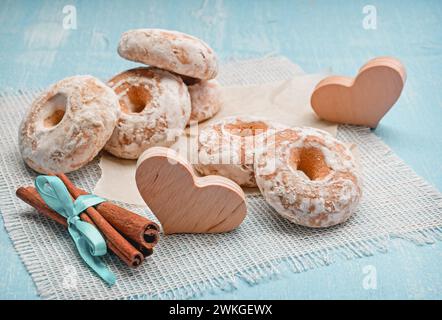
(287,102)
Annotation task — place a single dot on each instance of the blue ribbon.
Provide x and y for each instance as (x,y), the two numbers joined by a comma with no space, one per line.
(89,241)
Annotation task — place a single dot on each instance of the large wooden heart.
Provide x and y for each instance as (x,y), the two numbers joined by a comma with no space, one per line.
(363,100)
(183,202)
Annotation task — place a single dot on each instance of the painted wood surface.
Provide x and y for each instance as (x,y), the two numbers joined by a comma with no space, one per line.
(319,35)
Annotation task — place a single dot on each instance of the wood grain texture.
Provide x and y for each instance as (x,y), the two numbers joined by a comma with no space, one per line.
(318,35)
(183,202)
(362,100)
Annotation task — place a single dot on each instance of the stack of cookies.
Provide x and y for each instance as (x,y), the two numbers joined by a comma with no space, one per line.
(158,101)
(75,118)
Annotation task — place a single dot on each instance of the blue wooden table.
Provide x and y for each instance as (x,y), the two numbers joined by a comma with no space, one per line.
(40,44)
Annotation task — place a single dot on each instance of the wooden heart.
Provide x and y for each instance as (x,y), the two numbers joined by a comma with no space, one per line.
(363,100)
(183,202)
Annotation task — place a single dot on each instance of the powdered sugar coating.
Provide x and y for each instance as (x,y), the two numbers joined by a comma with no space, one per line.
(170,50)
(163,104)
(206,99)
(325,201)
(227,146)
(68,124)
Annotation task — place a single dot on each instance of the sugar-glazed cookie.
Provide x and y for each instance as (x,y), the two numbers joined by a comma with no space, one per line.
(206,100)
(227,146)
(308,177)
(170,50)
(155,108)
(68,124)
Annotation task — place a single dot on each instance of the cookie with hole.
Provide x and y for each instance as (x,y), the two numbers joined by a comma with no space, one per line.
(309,177)
(226,147)
(68,124)
(170,50)
(155,108)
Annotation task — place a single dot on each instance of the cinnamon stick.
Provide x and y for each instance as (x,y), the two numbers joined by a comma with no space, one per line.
(115,242)
(33,198)
(127,250)
(132,225)
(144,251)
(135,227)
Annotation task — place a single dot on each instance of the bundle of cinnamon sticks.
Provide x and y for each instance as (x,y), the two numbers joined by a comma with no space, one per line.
(130,236)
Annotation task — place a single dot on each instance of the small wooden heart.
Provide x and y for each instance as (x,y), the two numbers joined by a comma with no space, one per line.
(363,100)
(183,202)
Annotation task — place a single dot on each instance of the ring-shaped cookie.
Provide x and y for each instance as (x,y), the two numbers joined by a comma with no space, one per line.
(155,108)
(170,50)
(226,147)
(308,177)
(68,124)
(206,100)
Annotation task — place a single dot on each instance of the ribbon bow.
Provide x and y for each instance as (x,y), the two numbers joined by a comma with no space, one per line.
(88,240)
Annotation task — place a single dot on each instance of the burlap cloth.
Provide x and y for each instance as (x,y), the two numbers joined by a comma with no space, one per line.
(396,203)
